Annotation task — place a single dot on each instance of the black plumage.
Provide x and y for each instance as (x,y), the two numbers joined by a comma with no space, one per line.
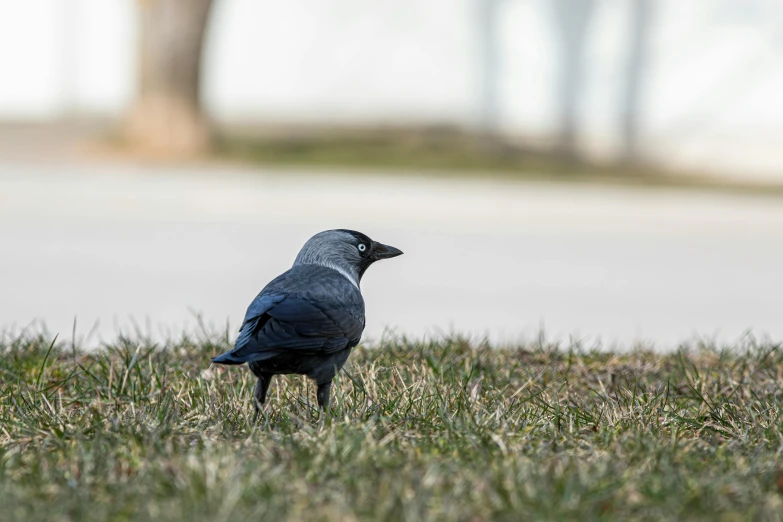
(307,320)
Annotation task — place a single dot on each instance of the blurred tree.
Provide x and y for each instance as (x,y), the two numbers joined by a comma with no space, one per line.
(488,56)
(572,18)
(166,116)
(641,13)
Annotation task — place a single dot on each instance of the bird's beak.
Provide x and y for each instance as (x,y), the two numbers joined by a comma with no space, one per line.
(381,251)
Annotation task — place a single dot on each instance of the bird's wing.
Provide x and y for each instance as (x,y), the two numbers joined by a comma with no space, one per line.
(315,318)
(278,322)
(255,315)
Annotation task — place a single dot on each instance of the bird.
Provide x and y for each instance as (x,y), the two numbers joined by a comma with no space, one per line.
(307,320)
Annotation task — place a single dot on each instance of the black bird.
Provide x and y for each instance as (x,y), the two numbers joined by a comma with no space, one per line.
(307,320)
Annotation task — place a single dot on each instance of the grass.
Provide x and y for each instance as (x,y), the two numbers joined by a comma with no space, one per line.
(447,152)
(446,430)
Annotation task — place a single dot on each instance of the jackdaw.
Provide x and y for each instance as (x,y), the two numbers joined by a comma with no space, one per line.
(307,320)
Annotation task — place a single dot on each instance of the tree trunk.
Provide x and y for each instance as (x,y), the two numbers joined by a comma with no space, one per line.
(488,66)
(166,117)
(572,18)
(640,21)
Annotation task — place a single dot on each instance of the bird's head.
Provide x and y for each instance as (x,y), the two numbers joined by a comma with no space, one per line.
(347,251)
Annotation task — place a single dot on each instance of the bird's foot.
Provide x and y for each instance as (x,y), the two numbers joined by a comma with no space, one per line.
(323,395)
(258,407)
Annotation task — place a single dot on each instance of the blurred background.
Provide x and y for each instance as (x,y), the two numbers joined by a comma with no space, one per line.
(605,171)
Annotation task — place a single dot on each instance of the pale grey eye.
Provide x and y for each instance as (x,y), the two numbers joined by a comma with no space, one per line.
(362,247)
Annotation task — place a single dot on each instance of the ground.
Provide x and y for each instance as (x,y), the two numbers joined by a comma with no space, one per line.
(502,248)
(122,242)
(446,430)
(421,429)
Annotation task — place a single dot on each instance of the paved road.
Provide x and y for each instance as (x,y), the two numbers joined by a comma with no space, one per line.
(112,244)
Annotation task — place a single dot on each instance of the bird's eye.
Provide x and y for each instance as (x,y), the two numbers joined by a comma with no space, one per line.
(362,247)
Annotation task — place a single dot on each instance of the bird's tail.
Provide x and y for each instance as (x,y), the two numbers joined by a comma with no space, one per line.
(228,358)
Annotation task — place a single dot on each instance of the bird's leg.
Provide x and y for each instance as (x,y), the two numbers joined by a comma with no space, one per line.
(323,394)
(261,387)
